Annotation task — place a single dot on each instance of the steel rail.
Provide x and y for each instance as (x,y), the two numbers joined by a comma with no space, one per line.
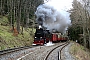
(60,58)
(14,49)
(53,50)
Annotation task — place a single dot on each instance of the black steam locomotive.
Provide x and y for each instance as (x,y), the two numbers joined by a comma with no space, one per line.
(44,36)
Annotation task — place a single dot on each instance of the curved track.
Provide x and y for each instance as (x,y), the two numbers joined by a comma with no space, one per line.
(59,52)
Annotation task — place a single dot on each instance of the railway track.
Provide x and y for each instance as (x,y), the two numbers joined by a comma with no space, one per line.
(14,50)
(32,53)
(59,52)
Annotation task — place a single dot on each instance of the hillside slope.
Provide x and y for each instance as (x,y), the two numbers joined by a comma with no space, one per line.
(7,40)
(80,52)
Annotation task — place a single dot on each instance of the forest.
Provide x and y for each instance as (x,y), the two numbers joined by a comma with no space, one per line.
(21,15)
(17,21)
(19,11)
(80,17)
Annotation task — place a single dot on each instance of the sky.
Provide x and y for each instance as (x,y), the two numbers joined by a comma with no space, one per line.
(60,4)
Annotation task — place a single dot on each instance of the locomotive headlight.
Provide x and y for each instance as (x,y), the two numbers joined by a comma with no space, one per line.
(40,37)
(35,37)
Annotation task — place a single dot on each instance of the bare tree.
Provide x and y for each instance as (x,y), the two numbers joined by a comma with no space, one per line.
(80,17)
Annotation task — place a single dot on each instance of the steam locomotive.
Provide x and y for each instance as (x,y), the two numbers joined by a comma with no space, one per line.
(44,36)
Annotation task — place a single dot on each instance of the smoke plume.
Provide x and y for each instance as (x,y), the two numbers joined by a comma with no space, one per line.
(52,19)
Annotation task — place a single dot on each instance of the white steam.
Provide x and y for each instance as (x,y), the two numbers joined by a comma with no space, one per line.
(52,19)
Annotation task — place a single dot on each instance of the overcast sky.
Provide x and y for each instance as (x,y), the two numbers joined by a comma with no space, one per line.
(61,4)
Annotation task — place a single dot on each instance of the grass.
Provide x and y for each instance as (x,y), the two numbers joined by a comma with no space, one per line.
(3,20)
(7,40)
(80,52)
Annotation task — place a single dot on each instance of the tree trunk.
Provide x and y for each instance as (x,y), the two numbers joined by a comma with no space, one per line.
(1,8)
(11,12)
(18,16)
(84,36)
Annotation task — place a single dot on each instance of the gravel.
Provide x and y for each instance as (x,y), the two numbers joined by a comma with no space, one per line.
(66,55)
(17,54)
(39,53)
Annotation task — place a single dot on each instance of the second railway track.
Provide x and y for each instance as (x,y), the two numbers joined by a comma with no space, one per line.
(13,50)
